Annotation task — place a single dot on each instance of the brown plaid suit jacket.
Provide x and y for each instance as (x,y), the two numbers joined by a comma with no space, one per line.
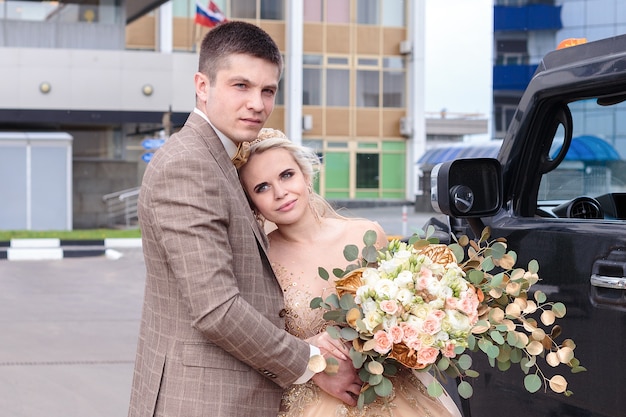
(212,340)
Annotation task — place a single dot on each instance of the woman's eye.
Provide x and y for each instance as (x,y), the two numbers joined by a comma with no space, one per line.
(261,188)
(287,174)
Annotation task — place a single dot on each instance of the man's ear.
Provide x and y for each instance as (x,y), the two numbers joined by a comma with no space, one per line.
(201,82)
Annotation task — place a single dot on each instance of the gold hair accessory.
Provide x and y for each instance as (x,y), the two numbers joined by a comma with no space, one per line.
(243,149)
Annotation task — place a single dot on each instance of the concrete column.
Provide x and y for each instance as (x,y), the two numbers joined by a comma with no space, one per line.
(293,70)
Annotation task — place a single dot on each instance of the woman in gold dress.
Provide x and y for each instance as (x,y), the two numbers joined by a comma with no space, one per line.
(305,234)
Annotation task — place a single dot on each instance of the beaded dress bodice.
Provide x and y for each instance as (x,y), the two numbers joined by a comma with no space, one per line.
(409,397)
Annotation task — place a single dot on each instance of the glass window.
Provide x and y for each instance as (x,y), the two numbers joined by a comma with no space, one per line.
(337,87)
(368,12)
(338,11)
(367,88)
(312,86)
(272,10)
(393,13)
(313,11)
(367,175)
(335,60)
(243,9)
(393,89)
(368,62)
(312,80)
(101,11)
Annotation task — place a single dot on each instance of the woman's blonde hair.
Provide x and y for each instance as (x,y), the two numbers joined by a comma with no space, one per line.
(307,160)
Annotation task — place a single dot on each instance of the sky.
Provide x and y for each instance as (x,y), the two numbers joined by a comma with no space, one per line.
(458,56)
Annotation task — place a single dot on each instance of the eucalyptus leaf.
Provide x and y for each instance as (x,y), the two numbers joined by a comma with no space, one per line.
(457,250)
(338,272)
(443,363)
(357,358)
(348,333)
(504,366)
(488,264)
(347,301)
(370,254)
(472,373)
(475,276)
(335,315)
(435,389)
(323,273)
(533,266)
(384,388)
(464,362)
(496,337)
(532,383)
(351,253)
(369,395)
(370,237)
(465,390)
(334,332)
(375,379)
(316,303)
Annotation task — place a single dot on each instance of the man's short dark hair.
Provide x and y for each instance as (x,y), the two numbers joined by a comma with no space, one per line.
(236,37)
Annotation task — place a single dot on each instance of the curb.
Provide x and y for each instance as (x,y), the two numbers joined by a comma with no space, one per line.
(53,249)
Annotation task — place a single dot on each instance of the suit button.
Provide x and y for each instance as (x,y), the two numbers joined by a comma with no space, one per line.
(282,313)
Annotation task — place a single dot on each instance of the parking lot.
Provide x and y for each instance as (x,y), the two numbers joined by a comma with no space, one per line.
(68,328)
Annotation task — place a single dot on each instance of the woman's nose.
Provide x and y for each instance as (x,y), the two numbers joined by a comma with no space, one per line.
(279,192)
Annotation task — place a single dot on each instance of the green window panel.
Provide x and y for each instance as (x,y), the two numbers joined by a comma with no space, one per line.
(367,194)
(337,167)
(394,171)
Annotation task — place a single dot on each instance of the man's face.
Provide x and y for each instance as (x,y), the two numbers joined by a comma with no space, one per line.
(242,97)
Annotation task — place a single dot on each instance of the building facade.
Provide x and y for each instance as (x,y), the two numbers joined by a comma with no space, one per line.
(115,74)
(525,30)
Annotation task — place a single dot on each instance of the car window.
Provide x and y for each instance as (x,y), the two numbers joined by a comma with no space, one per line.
(594,166)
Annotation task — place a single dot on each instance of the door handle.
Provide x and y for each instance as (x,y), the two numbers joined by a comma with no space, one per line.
(615,283)
(608,281)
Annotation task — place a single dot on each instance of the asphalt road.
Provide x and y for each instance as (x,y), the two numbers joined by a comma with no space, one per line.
(68,328)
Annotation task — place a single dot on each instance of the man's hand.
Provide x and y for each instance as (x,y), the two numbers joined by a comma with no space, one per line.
(344,385)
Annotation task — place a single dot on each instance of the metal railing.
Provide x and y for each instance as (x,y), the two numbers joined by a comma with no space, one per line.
(122,207)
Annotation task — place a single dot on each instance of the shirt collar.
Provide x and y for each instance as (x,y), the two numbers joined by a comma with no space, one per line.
(229,145)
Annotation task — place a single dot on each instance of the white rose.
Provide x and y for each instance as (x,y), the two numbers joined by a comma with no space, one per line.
(457,321)
(405,297)
(405,280)
(372,320)
(386,288)
(370,276)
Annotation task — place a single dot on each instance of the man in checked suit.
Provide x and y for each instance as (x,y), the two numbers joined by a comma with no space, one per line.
(212,339)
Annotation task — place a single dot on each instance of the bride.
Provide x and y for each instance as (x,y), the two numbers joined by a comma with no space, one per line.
(306,234)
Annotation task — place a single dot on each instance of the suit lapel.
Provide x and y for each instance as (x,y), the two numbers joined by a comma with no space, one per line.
(216,147)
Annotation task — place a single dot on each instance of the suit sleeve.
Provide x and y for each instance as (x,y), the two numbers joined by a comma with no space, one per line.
(205,229)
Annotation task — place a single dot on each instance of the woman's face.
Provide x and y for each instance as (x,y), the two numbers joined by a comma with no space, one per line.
(276,185)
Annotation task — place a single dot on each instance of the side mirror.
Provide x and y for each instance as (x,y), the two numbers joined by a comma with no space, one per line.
(466,188)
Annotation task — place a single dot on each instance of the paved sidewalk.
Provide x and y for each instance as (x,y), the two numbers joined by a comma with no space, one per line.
(68,328)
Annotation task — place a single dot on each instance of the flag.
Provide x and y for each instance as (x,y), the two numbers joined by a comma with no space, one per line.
(210,16)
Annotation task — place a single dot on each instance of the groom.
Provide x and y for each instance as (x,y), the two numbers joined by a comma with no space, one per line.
(212,339)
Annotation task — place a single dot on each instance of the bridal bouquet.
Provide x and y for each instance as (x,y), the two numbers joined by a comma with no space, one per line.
(416,305)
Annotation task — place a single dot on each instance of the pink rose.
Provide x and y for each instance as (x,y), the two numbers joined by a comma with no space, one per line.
(383,342)
(452,303)
(410,331)
(389,306)
(448,350)
(431,325)
(439,314)
(468,303)
(396,333)
(415,344)
(427,355)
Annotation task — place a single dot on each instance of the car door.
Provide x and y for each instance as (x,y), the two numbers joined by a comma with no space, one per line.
(565,206)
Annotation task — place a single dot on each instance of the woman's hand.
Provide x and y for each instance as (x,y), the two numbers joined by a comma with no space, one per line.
(330,346)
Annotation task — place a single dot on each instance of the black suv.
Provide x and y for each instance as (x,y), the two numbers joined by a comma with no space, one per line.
(557,192)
